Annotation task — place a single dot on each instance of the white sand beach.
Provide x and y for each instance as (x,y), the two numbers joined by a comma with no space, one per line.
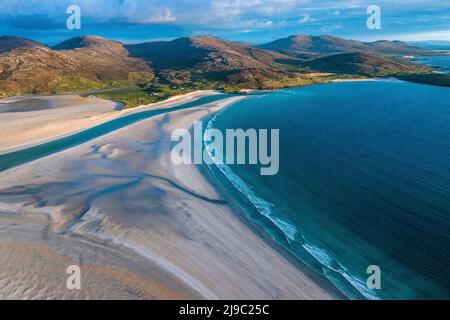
(139,226)
(31,120)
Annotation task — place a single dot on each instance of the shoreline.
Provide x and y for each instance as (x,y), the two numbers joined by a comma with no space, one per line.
(74,121)
(76,124)
(353,80)
(186,222)
(238,210)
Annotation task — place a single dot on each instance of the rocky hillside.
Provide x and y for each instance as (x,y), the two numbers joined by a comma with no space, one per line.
(94,64)
(89,63)
(86,63)
(209,58)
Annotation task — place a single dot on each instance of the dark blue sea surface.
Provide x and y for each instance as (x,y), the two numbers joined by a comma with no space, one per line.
(436,61)
(364,180)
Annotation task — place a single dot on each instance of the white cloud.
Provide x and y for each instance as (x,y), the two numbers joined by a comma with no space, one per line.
(331,28)
(306,18)
(419,36)
(165,16)
(235,15)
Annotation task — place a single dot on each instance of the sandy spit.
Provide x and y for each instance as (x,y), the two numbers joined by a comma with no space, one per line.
(139,226)
(32,120)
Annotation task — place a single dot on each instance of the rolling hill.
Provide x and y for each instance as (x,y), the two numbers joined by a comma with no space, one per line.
(36,68)
(9,43)
(310,47)
(365,64)
(88,42)
(89,63)
(211,59)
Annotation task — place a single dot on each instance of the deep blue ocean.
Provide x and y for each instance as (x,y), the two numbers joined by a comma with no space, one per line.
(364,180)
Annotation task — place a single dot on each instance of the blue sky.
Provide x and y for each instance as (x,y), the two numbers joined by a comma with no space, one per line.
(245,20)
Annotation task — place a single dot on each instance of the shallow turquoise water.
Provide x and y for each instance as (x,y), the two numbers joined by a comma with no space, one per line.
(364,180)
(10,160)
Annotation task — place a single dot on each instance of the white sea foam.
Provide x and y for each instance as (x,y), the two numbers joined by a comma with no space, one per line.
(264,207)
(321,255)
(330,263)
(289,229)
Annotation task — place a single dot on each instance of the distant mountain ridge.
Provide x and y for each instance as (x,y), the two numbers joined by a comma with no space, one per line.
(9,43)
(365,64)
(310,47)
(89,62)
(433,45)
(90,42)
(92,60)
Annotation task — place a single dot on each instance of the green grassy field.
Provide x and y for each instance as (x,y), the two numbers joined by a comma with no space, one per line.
(135,96)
